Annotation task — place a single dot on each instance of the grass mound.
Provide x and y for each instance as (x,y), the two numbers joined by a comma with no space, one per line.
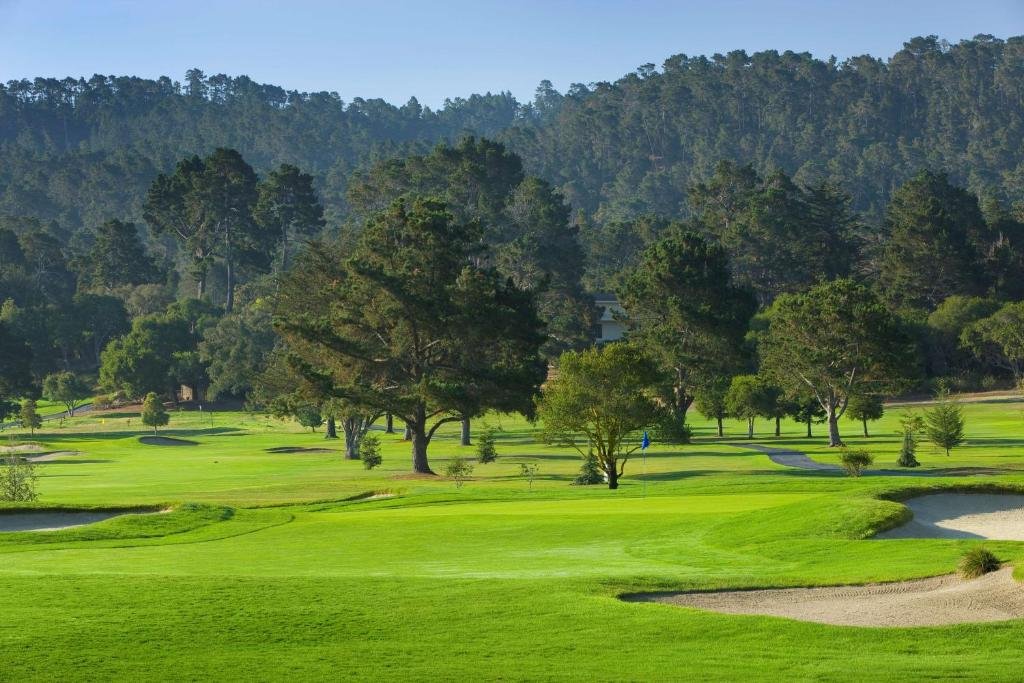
(976,562)
(166,441)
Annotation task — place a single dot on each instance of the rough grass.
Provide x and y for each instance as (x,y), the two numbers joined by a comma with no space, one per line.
(976,562)
(287,567)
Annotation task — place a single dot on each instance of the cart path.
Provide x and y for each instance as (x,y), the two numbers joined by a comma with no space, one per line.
(790,457)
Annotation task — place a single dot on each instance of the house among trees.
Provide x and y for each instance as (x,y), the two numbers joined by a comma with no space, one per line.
(610,325)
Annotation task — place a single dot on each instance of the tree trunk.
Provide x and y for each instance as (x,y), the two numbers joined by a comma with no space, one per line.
(465,432)
(809,435)
(420,441)
(680,401)
(351,439)
(332,429)
(778,426)
(407,435)
(720,431)
(284,250)
(389,424)
(200,286)
(229,268)
(865,428)
(613,477)
(833,428)
(750,428)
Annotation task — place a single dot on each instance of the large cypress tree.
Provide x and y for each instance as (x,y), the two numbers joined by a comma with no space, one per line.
(408,323)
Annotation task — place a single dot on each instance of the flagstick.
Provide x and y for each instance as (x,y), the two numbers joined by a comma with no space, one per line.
(644,451)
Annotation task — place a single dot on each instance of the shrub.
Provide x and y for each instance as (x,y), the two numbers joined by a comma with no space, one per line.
(103,402)
(485,449)
(153,413)
(309,416)
(978,561)
(369,451)
(590,473)
(669,430)
(854,461)
(458,470)
(907,451)
(17,480)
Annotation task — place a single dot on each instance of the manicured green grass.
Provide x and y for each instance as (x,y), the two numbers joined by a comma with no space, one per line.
(283,569)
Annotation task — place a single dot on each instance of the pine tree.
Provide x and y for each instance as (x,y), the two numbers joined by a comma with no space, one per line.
(485,450)
(944,423)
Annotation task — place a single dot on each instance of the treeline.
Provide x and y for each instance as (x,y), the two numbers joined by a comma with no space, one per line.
(458,279)
(76,152)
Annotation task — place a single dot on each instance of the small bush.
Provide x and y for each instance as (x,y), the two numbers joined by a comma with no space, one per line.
(590,473)
(153,413)
(670,431)
(854,461)
(978,561)
(309,416)
(485,449)
(908,451)
(17,480)
(369,451)
(103,402)
(458,470)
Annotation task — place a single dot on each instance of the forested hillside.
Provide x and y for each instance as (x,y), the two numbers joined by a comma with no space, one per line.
(79,152)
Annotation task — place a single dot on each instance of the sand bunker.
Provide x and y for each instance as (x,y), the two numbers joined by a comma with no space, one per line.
(998,516)
(21,449)
(166,441)
(927,602)
(299,449)
(52,456)
(53,521)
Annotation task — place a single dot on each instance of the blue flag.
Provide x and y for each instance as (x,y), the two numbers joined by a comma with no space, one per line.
(646,442)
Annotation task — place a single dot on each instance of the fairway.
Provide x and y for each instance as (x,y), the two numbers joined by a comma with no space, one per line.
(302,564)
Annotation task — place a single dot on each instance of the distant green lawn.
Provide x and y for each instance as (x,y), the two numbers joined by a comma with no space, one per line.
(275,574)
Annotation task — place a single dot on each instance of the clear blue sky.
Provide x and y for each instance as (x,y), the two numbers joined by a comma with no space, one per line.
(444,48)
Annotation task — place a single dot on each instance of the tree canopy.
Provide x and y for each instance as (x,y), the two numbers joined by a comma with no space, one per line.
(408,324)
(835,341)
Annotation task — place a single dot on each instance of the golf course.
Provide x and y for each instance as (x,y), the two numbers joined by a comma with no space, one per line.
(235,562)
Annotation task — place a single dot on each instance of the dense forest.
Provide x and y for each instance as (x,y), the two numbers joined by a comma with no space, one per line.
(77,152)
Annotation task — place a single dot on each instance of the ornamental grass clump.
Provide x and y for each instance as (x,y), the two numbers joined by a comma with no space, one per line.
(855,460)
(978,561)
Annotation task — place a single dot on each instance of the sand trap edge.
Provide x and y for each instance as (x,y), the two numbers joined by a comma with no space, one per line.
(938,601)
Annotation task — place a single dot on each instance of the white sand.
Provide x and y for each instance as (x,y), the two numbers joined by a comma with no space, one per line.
(50,457)
(995,516)
(926,602)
